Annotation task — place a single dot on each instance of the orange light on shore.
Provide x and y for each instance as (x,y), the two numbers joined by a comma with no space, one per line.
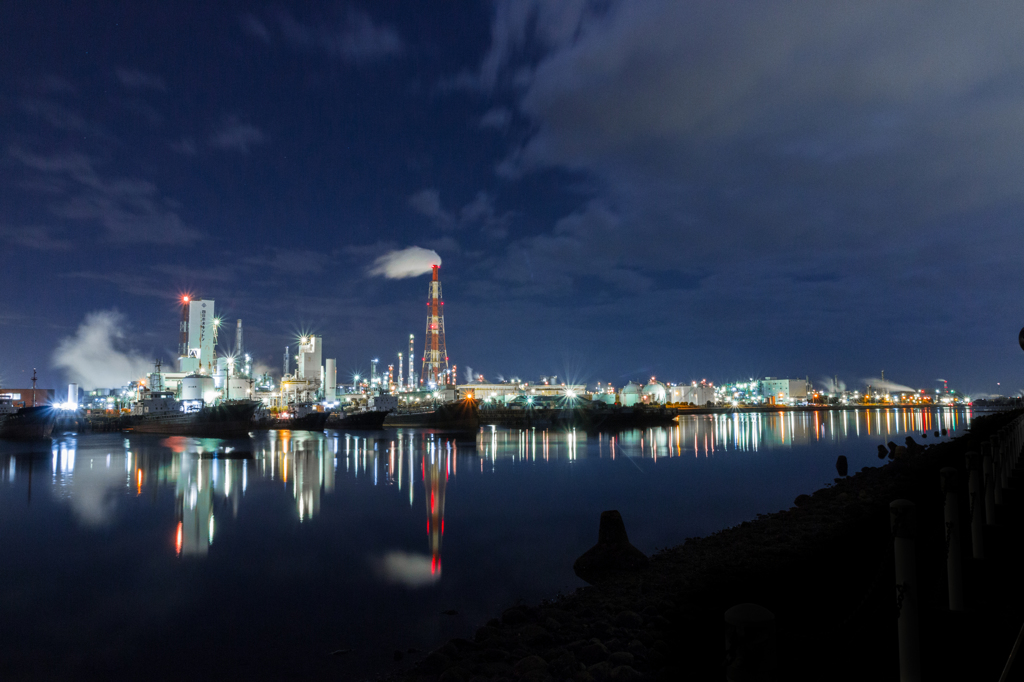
(184,299)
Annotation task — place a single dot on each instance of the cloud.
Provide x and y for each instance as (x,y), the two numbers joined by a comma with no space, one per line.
(34,237)
(95,356)
(409,262)
(57,85)
(710,140)
(134,79)
(409,569)
(480,211)
(428,202)
(255,28)
(831,385)
(234,135)
(498,118)
(185,145)
(62,117)
(131,210)
(888,386)
(353,38)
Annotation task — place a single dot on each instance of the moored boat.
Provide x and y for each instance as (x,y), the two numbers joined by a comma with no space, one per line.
(457,416)
(26,423)
(159,412)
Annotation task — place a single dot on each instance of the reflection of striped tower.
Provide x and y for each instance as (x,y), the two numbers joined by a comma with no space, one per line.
(435,356)
(434,468)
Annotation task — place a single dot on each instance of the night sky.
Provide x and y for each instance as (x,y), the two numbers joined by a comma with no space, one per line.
(616,189)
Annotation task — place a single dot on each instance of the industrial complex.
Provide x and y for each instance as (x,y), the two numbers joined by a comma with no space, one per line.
(205,374)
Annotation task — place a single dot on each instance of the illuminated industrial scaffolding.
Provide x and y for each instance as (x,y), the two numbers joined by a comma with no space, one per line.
(435,355)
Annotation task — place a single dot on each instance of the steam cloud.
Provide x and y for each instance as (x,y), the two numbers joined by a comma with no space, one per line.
(405,568)
(92,357)
(890,386)
(410,262)
(831,386)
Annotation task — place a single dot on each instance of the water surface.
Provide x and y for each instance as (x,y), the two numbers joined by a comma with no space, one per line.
(317,555)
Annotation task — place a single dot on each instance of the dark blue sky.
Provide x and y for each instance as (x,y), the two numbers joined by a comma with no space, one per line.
(617,189)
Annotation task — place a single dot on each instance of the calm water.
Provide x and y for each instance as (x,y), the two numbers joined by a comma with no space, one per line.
(148,557)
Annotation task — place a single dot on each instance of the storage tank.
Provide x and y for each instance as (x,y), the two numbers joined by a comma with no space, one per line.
(331,380)
(655,392)
(196,387)
(73,395)
(629,395)
(238,389)
(221,373)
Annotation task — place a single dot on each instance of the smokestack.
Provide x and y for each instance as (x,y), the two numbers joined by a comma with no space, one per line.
(286,359)
(412,374)
(401,384)
(238,338)
(331,380)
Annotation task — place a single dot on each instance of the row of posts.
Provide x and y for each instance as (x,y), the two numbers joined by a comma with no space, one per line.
(750,629)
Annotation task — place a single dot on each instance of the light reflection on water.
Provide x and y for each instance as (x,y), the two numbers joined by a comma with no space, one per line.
(269,505)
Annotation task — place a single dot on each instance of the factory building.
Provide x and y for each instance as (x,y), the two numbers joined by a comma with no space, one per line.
(784,390)
(504,393)
(27,397)
(695,394)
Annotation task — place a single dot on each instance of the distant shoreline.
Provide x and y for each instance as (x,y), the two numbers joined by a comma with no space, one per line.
(828,408)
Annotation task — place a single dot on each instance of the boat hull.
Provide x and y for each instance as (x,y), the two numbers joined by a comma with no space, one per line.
(230,419)
(29,423)
(371,420)
(315,421)
(460,416)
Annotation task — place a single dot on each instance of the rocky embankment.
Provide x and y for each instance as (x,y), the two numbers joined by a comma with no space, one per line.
(823,567)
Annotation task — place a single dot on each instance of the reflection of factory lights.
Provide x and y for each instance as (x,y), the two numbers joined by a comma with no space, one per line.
(177,540)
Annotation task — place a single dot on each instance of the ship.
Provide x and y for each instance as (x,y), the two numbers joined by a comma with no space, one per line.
(31,422)
(26,423)
(366,418)
(462,415)
(301,417)
(159,412)
(363,420)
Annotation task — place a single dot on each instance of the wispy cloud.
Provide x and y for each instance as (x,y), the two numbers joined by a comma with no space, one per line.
(131,210)
(34,237)
(234,135)
(61,117)
(355,38)
(184,145)
(254,27)
(427,202)
(497,118)
(481,210)
(135,79)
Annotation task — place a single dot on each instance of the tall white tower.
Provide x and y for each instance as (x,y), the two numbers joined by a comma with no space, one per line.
(200,336)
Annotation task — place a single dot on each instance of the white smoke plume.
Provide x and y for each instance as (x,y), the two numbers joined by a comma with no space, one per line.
(406,568)
(93,357)
(410,262)
(831,386)
(886,385)
(470,378)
